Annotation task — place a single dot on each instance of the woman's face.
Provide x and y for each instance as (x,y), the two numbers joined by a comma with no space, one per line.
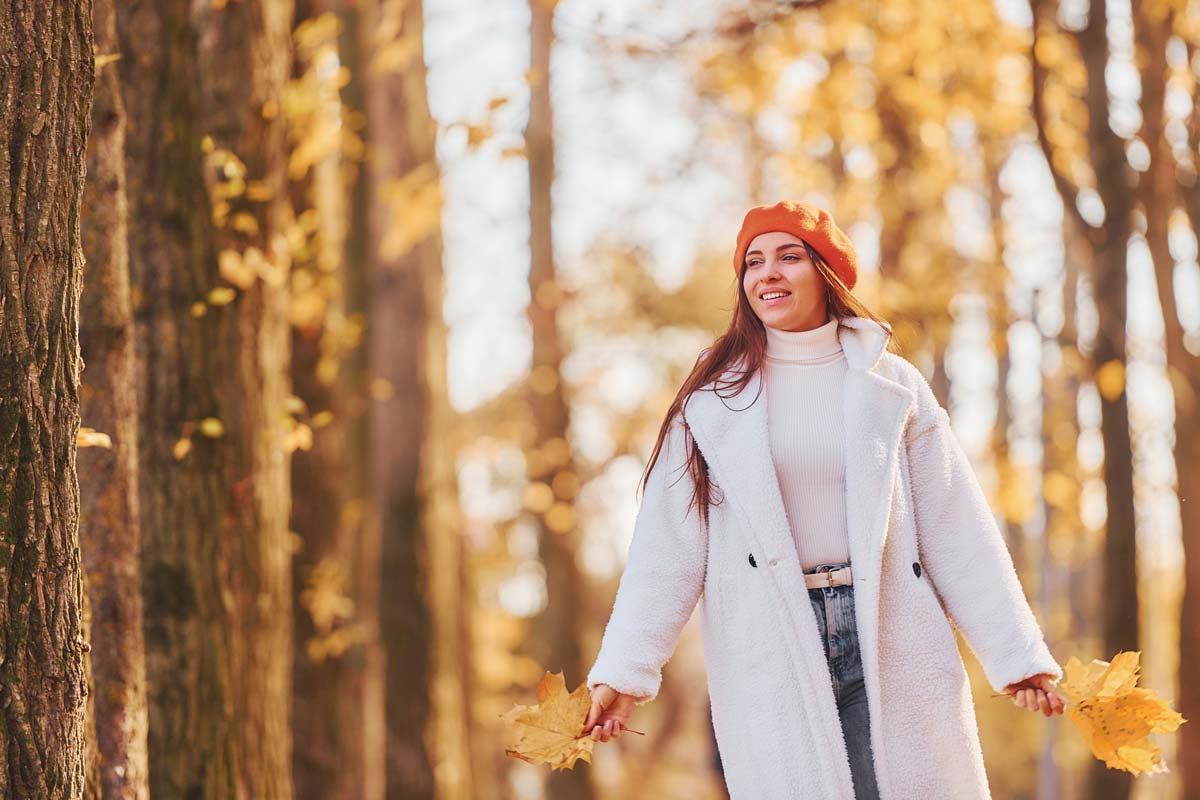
(777,262)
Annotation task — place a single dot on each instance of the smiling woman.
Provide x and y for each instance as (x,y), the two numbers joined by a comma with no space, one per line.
(855,530)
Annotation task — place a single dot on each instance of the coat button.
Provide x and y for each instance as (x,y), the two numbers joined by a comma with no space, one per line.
(916,569)
(774,562)
(752,560)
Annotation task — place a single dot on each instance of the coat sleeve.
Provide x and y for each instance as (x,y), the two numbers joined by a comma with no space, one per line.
(662,580)
(963,551)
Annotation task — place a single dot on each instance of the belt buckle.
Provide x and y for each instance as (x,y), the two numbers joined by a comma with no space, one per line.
(827,570)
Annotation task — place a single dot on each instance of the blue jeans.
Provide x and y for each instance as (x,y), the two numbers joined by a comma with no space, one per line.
(834,609)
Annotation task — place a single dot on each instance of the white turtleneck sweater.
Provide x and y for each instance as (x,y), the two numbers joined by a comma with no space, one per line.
(804,372)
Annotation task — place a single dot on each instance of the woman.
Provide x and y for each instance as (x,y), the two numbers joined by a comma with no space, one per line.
(804,461)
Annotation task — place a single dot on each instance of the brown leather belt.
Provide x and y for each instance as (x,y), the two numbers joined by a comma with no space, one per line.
(828,577)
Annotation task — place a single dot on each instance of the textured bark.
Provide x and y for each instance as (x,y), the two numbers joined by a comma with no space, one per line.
(46,83)
(338,694)
(554,642)
(216,569)
(110,534)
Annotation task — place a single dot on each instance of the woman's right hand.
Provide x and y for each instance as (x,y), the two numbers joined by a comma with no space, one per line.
(609,713)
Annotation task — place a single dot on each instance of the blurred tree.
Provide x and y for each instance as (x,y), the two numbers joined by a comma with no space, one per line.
(110,531)
(551,466)
(45,111)
(412,472)
(338,709)
(1114,182)
(206,170)
(1166,189)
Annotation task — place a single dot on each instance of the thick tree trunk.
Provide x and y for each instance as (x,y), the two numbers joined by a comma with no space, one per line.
(46,83)
(555,644)
(110,531)
(206,174)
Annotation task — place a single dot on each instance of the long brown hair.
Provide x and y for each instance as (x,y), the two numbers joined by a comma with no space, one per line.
(746,341)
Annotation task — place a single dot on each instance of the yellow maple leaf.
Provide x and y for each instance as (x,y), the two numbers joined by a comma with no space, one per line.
(1114,716)
(550,732)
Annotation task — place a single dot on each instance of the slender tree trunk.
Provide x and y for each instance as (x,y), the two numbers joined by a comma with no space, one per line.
(109,527)
(1185,381)
(412,478)
(206,174)
(46,84)
(1159,194)
(557,647)
(338,695)
(1114,183)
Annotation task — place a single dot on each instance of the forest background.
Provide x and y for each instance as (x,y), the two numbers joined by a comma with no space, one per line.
(334,337)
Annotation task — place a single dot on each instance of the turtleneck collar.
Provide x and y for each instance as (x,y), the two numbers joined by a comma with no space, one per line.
(816,346)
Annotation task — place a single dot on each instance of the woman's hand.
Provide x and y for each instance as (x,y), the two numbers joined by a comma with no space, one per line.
(1037,693)
(609,713)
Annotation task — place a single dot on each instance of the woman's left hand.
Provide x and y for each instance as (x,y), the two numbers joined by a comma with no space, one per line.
(1037,693)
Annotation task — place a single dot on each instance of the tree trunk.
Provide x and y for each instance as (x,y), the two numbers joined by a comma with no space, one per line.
(1184,372)
(46,84)
(1114,184)
(555,646)
(204,126)
(109,526)
(338,694)
(1159,195)
(410,477)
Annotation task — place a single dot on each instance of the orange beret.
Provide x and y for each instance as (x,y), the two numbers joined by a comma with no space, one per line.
(812,224)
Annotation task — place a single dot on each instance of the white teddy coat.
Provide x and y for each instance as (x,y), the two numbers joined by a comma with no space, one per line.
(911,498)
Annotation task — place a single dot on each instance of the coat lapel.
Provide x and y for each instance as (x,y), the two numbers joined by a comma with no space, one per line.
(732,434)
(731,431)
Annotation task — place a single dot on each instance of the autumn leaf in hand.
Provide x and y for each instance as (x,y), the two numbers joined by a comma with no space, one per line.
(550,732)
(1114,715)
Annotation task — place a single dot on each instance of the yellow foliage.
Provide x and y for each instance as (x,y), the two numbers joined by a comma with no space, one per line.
(90,437)
(298,437)
(106,59)
(551,731)
(222,295)
(233,268)
(1110,379)
(1113,715)
(212,427)
(538,497)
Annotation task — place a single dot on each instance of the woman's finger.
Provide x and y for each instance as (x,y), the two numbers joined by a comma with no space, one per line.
(1044,703)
